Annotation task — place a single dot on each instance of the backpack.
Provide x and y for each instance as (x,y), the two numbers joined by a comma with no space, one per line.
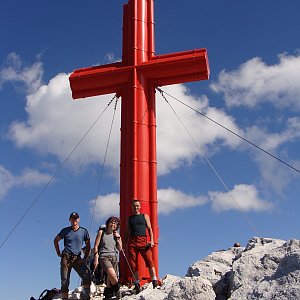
(47,294)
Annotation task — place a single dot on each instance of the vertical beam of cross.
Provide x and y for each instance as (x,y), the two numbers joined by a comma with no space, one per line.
(135,79)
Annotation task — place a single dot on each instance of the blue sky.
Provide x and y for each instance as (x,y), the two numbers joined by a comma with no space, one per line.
(254,89)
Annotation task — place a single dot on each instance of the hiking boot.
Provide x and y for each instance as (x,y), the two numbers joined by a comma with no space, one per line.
(118,294)
(116,290)
(85,294)
(137,287)
(154,283)
(108,293)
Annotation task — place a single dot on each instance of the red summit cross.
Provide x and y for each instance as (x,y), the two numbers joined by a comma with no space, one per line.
(135,79)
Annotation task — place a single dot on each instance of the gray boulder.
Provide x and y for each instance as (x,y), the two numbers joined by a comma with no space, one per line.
(176,288)
(217,268)
(267,269)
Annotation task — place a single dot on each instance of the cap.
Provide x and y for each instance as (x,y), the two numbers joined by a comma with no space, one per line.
(74,215)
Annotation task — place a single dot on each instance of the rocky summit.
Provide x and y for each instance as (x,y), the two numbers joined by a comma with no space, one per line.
(266,268)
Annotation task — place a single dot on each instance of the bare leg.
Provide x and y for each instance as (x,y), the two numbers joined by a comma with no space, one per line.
(152,273)
(111,277)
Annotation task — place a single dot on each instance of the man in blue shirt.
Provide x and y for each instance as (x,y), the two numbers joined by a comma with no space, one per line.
(73,237)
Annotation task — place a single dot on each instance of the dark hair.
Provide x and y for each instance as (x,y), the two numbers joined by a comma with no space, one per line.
(135,200)
(113,219)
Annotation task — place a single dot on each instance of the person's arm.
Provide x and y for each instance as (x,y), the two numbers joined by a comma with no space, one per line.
(87,250)
(56,245)
(96,248)
(118,240)
(148,224)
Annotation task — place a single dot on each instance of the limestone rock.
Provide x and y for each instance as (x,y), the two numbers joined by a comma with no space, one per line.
(176,288)
(217,267)
(267,269)
(197,288)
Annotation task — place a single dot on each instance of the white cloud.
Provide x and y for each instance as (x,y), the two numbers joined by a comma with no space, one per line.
(174,145)
(28,177)
(170,200)
(254,82)
(7,181)
(55,123)
(110,58)
(243,197)
(29,76)
(271,141)
(274,174)
(106,206)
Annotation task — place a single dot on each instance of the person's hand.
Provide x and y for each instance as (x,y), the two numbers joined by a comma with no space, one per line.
(96,261)
(116,235)
(149,245)
(59,254)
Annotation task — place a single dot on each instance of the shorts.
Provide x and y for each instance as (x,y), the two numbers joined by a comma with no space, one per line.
(109,262)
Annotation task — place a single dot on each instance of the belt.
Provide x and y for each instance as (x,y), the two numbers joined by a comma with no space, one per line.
(70,255)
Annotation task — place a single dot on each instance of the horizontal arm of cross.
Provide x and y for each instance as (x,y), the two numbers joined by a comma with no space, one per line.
(159,70)
(175,68)
(100,80)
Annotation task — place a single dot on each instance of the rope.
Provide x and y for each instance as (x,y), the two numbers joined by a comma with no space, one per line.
(236,134)
(54,176)
(101,173)
(104,160)
(214,170)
